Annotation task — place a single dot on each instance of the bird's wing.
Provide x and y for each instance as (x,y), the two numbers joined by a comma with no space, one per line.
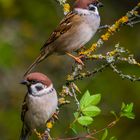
(25,131)
(24,108)
(71,19)
(62,28)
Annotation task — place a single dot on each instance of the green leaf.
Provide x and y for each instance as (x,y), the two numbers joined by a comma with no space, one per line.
(84,99)
(113,138)
(76,114)
(126,111)
(85,120)
(88,100)
(93,100)
(104,135)
(74,128)
(127,108)
(91,111)
(128,115)
(123,106)
(114,113)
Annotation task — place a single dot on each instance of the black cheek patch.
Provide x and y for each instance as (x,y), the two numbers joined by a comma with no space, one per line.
(29,90)
(92,8)
(39,88)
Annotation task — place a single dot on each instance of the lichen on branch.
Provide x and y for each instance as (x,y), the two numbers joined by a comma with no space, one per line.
(125,20)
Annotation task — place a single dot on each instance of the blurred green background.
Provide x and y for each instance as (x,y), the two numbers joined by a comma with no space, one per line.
(24,27)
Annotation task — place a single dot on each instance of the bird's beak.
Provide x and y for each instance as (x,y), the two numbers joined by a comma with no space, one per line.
(99,4)
(25,82)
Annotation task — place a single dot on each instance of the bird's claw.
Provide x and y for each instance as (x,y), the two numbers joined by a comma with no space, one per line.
(55,115)
(43,136)
(39,135)
(78,59)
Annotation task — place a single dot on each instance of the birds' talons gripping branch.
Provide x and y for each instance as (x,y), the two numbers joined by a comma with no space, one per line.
(77,58)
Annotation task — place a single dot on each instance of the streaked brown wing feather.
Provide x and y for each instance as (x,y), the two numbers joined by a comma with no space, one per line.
(63,27)
(24,108)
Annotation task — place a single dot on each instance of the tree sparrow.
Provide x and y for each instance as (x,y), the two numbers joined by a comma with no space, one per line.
(39,105)
(73,32)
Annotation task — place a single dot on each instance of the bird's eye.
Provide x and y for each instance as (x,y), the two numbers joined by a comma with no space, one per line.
(91,7)
(33,82)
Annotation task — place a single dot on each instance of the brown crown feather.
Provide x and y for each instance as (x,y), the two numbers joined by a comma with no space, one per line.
(40,77)
(84,3)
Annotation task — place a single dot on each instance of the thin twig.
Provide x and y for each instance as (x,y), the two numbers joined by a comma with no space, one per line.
(81,75)
(124,76)
(133,23)
(75,97)
(109,126)
(103,27)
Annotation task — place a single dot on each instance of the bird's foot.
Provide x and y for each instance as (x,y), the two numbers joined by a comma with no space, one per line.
(46,135)
(51,121)
(55,116)
(77,59)
(43,136)
(39,135)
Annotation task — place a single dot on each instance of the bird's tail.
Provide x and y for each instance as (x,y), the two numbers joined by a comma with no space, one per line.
(25,133)
(40,58)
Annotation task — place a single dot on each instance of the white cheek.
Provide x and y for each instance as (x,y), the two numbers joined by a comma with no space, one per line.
(45,89)
(35,91)
(86,12)
(96,11)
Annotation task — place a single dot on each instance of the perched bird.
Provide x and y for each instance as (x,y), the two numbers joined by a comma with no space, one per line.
(73,32)
(39,105)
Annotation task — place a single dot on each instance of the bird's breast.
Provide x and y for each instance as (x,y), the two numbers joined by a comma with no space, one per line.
(93,20)
(40,109)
